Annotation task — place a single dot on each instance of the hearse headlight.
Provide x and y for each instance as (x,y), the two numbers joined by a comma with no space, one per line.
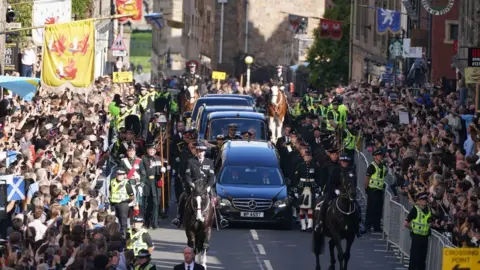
(280,203)
(225,202)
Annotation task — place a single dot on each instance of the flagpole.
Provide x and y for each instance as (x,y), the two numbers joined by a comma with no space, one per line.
(353,14)
(113,17)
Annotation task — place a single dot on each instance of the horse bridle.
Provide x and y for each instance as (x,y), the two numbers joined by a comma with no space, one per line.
(199,207)
(346,195)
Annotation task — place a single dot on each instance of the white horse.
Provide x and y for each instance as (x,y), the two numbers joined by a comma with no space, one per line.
(277,109)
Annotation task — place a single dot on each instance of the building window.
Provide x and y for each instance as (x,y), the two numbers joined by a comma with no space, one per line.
(451,31)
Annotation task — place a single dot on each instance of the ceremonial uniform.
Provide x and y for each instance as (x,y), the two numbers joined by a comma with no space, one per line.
(151,170)
(307,182)
(121,195)
(280,78)
(418,221)
(132,167)
(375,176)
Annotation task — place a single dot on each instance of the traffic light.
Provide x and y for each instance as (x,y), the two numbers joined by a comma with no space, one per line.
(10,14)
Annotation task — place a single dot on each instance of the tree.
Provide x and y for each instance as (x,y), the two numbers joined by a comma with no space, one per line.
(80,9)
(23,15)
(327,58)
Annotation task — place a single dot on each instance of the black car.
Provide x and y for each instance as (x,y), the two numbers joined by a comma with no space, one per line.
(217,123)
(219,100)
(200,123)
(249,98)
(250,185)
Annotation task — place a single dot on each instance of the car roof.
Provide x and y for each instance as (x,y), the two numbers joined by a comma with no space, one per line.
(230,95)
(227,108)
(232,113)
(250,153)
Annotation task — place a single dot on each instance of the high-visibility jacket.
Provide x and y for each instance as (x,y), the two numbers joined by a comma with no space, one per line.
(342,114)
(377,180)
(335,118)
(119,192)
(136,241)
(322,111)
(420,225)
(133,110)
(144,100)
(120,120)
(148,267)
(113,109)
(308,102)
(350,140)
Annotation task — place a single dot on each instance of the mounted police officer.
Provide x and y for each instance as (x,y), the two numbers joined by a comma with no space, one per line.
(348,174)
(180,150)
(197,169)
(190,77)
(121,195)
(418,221)
(151,168)
(375,184)
(280,78)
(331,173)
(138,238)
(307,176)
(232,133)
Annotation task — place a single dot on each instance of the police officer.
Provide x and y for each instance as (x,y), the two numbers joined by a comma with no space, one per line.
(348,174)
(119,121)
(418,222)
(121,195)
(232,132)
(190,77)
(331,120)
(197,169)
(138,237)
(143,261)
(280,78)
(350,140)
(307,181)
(375,183)
(132,107)
(150,171)
(132,165)
(331,173)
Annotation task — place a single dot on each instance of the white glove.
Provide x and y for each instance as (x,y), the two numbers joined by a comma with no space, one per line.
(173,171)
(177,159)
(296,195)
(209,189)
(337,191)
(163,169)
(169,168)
(317,195)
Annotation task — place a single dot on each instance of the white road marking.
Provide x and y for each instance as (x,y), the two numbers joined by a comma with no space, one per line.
(254,234)
(261,249)
(257,258)
(268,264)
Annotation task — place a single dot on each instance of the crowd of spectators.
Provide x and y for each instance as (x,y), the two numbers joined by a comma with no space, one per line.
(435,149)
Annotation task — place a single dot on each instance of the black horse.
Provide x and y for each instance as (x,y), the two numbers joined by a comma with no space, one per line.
(198,220)
(341,222)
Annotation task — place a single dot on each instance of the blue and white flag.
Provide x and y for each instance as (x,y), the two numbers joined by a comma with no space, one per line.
(15,187)
(388,20)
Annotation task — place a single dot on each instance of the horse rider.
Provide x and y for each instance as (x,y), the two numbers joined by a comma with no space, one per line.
(151,168)
(331,173)
(232,132)
(347,172)
(132,164)
(138,237)
(179,151)
(191,77)
(350,140)
(280,78)
(121,195)
(143,261)
(418,221)
(307,175)
(375,185)
(197,169)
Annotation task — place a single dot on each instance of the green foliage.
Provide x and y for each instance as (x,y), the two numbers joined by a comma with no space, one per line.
(328,74)
(23,14)
(80,8)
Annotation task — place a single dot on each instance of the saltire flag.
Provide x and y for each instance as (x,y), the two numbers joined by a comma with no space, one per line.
(68,55)
(15,187)
(388,20)
(330,29)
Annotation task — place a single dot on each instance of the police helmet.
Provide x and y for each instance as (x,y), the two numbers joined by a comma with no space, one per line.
(345,157)
(138,219)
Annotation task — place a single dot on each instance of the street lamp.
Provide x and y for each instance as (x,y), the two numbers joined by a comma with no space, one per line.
(248,61)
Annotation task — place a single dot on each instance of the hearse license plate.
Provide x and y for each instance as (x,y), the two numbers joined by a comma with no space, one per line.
(252,214)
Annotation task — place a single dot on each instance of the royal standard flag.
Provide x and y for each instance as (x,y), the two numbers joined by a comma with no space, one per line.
(68,54)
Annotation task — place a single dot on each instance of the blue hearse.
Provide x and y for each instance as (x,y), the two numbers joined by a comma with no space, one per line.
(217,123)
(200,123)
(250,185)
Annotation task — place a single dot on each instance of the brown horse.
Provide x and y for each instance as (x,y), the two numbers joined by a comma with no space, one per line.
(277,110)
(188,99)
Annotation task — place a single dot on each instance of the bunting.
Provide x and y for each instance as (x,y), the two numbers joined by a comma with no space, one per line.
(330,29)
(388,21)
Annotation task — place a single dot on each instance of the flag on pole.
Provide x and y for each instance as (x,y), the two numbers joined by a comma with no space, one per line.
(330,29)
(388,20)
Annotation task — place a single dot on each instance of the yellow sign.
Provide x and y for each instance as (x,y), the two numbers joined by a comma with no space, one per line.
(122,77)
(68,54)
(472,75)
(461,259)
(217,75)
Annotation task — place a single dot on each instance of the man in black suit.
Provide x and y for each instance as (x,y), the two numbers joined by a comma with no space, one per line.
(284,139)
(188,264)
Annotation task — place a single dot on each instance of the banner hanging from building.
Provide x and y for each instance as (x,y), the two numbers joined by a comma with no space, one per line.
(129,7)
(297,24)
(388,21)
(49,12)
(472,75)
(330,29)
(68,54)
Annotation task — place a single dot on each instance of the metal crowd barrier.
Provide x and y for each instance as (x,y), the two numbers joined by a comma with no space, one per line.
(394,214)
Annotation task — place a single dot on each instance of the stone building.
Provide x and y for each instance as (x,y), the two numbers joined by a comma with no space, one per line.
(194,42)
(101,8)
(260,29)
(468,31)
